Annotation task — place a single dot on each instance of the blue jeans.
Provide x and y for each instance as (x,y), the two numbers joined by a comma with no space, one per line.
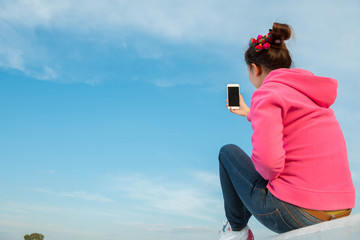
(245,195)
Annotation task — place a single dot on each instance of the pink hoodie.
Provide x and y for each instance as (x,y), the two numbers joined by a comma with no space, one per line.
(297,142)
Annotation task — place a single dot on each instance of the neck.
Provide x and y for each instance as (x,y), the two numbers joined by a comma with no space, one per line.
(263,75)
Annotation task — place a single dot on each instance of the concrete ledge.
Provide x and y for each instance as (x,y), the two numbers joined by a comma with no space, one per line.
(343,228)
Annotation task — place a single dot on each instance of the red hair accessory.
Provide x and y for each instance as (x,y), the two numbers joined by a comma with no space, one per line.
(258,48)
(262,42)
(266,46)
(253,42)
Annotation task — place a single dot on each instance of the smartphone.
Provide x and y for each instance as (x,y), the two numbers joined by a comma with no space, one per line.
(233,96)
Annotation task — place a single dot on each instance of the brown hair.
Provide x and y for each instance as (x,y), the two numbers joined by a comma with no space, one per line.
(277,56)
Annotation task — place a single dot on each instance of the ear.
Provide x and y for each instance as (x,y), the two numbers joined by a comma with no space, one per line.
(258,69)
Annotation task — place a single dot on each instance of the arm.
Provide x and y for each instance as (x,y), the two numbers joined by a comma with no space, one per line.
(268,154)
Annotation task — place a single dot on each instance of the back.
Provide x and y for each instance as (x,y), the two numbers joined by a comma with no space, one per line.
(312,169)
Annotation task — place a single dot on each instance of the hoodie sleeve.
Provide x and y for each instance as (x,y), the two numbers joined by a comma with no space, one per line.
(268,154)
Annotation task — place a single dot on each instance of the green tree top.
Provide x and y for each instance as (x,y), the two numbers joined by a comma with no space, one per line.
(34,236)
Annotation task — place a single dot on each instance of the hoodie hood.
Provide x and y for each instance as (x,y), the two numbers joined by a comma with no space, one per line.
(322,90)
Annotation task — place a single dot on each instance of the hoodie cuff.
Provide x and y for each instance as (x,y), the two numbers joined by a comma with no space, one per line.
(248,117)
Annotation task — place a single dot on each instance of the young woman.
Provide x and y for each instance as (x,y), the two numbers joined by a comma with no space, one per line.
(298,173)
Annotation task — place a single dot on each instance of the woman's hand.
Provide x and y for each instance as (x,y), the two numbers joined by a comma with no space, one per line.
(243,110)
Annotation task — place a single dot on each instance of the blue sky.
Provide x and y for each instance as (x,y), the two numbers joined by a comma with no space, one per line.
(113,112)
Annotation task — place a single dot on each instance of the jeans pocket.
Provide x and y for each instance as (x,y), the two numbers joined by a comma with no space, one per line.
(274,221)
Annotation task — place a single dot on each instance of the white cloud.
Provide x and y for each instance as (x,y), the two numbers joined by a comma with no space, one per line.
(182,20)
(48,74)
(207,177)
(177,20)
(12,58)
(169,197)
(54,221)
(174,81)
(110,222)
(164,228)
(229,23)
(189,229)
(77,194)
(17,228)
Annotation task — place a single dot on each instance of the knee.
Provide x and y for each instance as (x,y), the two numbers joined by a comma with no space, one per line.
(227,149)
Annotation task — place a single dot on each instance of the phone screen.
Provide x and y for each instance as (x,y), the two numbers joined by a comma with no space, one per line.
(234,98)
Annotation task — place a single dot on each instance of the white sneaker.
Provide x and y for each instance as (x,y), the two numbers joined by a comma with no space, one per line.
(227,234)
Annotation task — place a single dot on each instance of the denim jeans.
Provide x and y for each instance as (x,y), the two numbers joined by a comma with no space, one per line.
(245,195)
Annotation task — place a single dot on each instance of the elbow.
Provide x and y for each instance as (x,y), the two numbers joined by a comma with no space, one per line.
(268,173)
(268,167)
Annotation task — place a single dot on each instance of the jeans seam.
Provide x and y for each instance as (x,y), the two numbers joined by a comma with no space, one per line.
(269,213)
(276,211)
(292,216)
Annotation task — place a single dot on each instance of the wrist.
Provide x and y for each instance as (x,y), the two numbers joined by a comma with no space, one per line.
(247,111)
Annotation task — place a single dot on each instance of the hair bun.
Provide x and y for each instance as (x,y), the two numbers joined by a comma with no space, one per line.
(276,55)
(281,31)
